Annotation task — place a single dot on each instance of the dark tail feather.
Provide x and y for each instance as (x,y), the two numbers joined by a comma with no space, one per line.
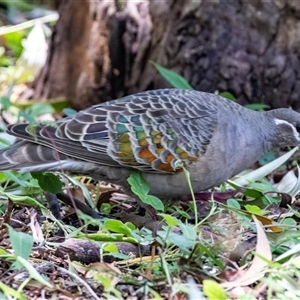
(27,156)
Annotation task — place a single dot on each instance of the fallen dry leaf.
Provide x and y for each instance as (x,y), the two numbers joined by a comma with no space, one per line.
(258,267)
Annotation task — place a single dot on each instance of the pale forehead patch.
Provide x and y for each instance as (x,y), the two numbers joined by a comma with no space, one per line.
(278,122)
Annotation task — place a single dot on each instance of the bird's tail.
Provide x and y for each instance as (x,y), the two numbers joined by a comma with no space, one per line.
(25,156)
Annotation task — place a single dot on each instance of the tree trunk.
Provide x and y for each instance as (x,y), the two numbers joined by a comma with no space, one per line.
(102,50)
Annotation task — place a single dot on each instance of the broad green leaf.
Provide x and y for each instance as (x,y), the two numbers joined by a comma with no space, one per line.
(48,182)
(117,226)
(228,96)
(110,247)
(105,280)
(21,243)
(289,221)
(188,231)
(170,220)
(253,209)
(138,184)
(3,177)
(173,78)
(251,192)
(263,186)
(233,203)
(140,187)
(155,202)
(14,41)
(213,290)
(130,225)
(105,208)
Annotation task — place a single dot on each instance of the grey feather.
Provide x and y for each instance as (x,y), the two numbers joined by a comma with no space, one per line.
(155,132)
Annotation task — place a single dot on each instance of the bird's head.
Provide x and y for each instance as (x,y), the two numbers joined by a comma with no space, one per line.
(287,127)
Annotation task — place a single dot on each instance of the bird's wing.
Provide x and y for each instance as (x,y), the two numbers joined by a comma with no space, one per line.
(152,131)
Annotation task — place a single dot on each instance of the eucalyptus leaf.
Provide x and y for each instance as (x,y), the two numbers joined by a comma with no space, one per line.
(176,80)
(48,181)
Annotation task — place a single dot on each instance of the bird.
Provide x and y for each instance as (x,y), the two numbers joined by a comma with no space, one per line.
(157,133)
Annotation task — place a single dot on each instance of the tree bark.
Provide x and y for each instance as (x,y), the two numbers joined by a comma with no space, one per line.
(102,50)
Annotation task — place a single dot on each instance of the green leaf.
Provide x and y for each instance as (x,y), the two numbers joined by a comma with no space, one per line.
(5,102)
(8,291)
(48,182)
(105,208)
(23,200)
(138,184)
(140,187)
(253,209)
(182,242)
(105,280)
(21,243)
(3,177)
(170,220)
(289,221)
(188,231)
(14,41)
(227,95)
(253,193)
(213,290)
(262,186)
(130,225)
(69,112)
(33,272)
(173,78)
(110,247)
(182,212)
(14,178)
(29,118)
(200,249)
(38,109)
(233,203)
(155,202)
(117,226)
(3,252)
(257,106)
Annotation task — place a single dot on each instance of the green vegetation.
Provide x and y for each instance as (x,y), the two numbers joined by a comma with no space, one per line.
(243,247)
